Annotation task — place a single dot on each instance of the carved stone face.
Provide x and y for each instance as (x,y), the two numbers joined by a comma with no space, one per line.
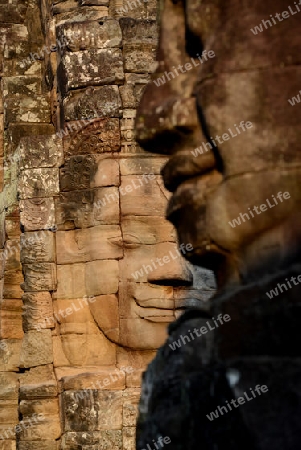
(114,245)
(186,110)
(153,276)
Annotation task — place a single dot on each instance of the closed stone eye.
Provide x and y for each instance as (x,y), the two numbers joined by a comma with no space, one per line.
(128,241)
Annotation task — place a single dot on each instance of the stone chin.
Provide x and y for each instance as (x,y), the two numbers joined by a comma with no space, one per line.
(142,334)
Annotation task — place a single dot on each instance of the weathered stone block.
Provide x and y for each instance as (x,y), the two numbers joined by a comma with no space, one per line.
(109,379)
(81,410)
(98,136)
(36,445)
(138,9)
(63,7)
(43,406)
(37,213)
(143,197)
(70,281)
(98,67)
(145,300)
(82,14)
(129,438)
(108,439)
(38,382)
(11,319)
(142,166)
(110,410)
(196,298)
(74,315)
(106,205)
(37,246)
(128,96)
(104,33)
(107,173)
(77,280)
(137,79)
(105,311)
(37,307)
(83,350)
(101,277)
(12,13)
(2,135)
(16,131)
(11,255)
(134,30)
(26,109)
(23,66)
(134,359)
(77,173)
(38,183)
(40,151)
(8,445)
(21,86)
(49,428)
(93,102)
(89,244)
(139,58)
(132,91)
(2,230)
(134,379)
(9,385)
(81,209)
(12,227)
(72,324)
(39,277)
(36,349)
(94,2)
(131,399)
(12,280)
(10,355)
(8,418)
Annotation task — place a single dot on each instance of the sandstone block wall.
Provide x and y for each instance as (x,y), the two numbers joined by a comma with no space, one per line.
(84,302)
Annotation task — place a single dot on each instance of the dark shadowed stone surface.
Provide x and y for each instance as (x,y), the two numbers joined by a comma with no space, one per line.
(256,346)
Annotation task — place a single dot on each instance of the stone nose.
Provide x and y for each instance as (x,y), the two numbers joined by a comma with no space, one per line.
(170,268)
(165,123)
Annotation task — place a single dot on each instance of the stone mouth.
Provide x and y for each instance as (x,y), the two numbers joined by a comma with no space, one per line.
(163,310)
(158,303)
(161,319)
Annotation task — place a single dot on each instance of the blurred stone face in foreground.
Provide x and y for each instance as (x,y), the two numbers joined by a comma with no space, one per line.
(247,79)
